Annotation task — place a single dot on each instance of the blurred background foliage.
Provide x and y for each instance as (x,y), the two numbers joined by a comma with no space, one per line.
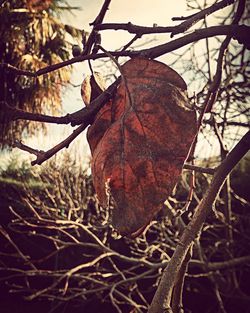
(32,37)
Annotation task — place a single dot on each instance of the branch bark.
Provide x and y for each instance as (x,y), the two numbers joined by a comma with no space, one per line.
(177,304)
(189,22)
(200,15)
(164,291)
(239,32)
(98,20)
(236,31)
(83,118)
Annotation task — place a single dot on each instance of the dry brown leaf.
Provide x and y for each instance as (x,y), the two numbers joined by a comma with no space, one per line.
(92,87)
(139,142)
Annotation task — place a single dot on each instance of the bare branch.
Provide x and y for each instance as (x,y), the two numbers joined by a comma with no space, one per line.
(177,304)
(20,253)
(190,21)
(130,42)
(236,31)
(83,117)
(8,67)
(229,123)
(12,114)
(102,13)
(213,88)
(98,20)
(43,156)
(21,146)
(135,29)
(169,276)
(215,266)
(195,168)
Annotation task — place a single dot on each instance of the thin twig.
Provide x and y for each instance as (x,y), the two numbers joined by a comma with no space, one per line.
(43,156)
(213,88)
(216,81)
(135,29)
(25,258)
(93,34)
(200,169)
(193,19)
